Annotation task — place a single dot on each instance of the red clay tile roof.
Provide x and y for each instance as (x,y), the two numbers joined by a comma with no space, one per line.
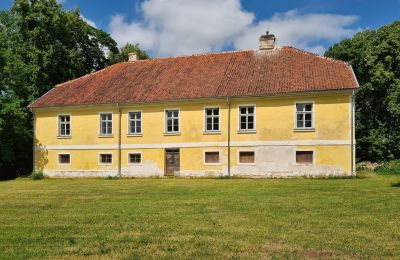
(237,73)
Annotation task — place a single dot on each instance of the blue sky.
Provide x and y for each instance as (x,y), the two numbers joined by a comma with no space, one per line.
(175,27)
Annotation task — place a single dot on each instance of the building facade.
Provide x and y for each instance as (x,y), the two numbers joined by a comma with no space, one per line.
(272,112)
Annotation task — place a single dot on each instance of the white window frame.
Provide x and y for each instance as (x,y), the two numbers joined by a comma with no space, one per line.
(58,159)
(130,120)
(112,124)
(305,150)
(104,153)
(213,116)
(59,126)
(238,157)
(213,151)
(239,119)
(128,159)
(166,120)
(304,129)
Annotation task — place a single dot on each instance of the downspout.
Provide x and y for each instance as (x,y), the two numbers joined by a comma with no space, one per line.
(119,140)
(353,162)
(229,137)
(34,142)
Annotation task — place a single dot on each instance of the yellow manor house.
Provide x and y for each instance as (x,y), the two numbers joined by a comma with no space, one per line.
(270,112)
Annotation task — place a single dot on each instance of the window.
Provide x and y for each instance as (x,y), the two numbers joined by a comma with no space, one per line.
(106,123)
(304,157)
(64,125)
(64,158)
(304,115)
(135,122)
(105,158)
(212,119)
(134,158)
(246,118)
(172,121)
(211,157)
(246,157)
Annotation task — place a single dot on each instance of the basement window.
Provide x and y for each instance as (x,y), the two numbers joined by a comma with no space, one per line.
(246,157)
(211,157)
(134,158)
(64,158)
(105,158)
(304,157)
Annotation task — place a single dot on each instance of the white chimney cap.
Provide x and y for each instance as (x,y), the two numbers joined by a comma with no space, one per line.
(133,56)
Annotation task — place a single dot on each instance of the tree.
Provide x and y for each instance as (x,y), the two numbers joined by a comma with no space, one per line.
(375,58)
(122,55)
(41,45)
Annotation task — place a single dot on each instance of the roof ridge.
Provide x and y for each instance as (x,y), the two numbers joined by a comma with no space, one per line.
(315,54)
(191,55)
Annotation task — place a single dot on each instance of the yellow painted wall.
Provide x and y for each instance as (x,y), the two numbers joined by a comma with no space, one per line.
(274,122)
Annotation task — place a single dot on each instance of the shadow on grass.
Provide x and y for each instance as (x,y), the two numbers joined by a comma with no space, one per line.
(395,185)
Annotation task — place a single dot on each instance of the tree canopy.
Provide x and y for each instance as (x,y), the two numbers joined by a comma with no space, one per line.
(41,45)
(375,58)
(122,55)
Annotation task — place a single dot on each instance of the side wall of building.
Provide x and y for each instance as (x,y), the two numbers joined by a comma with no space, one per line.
(274,141)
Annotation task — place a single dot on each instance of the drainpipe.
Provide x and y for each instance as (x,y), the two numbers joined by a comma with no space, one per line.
(34,142)
(119,140)
(229,137)
(353,162)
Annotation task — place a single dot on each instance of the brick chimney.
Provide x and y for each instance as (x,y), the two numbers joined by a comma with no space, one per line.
(133,56)
(267,41)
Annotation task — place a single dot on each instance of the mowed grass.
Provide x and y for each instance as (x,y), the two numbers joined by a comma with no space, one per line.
(201,218)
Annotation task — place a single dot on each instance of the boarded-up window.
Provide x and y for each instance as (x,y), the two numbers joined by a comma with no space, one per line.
(246,157)
(304,157)
(64,158)
(211,157)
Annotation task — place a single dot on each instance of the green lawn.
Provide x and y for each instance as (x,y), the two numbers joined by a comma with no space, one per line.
(200,218)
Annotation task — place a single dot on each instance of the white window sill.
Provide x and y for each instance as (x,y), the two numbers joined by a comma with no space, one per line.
(246,131)
(212,132)
(172,133)
(105,164)
(246,164)
(134,135)
(64,137)
(212,164)
(135,164)
(105,136)
(304,129)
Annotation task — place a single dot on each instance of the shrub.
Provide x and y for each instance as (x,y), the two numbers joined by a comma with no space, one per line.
(389,168)
(37,175)
(109,177)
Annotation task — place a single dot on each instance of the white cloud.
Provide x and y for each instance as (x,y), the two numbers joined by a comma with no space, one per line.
(88,21)
(173,27)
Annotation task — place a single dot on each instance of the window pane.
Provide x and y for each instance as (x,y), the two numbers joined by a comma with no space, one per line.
(300,116)
(250,119)
(135,158)
(250,110)
(211,157)
(209,120)
(176,128)
(209,112)
(304,157)
(300,124)
(308,124)
(250,126)
(169,128)
(138,129)
(243,110)
(246,157)
(308,107)
(299,107)
(216,126)
(176,122)
(216,111)
(209,127)
(308,116)
(243,125)
(176,113)
(138,115)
